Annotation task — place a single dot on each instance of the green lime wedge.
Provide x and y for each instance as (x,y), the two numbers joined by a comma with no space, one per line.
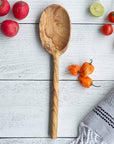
(97,9)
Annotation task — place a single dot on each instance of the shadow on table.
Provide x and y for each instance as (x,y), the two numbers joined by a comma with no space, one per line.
(50,93)
(50,75)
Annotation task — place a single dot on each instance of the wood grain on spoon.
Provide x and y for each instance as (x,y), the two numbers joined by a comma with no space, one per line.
(55,31)
(55,28)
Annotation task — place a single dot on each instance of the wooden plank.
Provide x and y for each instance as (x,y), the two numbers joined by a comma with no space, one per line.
(23,57)
(24,107)
(78,10)
(36,141)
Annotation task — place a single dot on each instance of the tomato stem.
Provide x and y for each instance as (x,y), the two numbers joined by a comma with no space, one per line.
(91,61)
(95,85)
(112,14)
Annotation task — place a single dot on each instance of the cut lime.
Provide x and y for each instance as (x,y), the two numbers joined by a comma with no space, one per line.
(97,9)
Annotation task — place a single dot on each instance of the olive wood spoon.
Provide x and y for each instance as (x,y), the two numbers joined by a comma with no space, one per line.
(55,31)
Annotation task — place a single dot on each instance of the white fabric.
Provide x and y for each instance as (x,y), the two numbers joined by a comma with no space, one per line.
(87,136)
(98,126)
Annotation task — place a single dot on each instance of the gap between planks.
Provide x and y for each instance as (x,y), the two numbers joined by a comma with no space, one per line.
(45,80)
(34,137)
(72,23)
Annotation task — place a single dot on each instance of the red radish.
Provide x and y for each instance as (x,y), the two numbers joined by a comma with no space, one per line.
(20,10)
(4,7)
(9,28)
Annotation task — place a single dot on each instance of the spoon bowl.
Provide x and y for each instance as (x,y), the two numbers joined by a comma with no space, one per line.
(55,31)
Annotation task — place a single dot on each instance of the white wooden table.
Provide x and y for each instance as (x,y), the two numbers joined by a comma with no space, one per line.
(26,75)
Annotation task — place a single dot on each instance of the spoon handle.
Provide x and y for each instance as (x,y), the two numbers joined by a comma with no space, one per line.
(54,122)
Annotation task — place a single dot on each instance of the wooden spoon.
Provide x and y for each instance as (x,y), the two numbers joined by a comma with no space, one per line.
(55,30)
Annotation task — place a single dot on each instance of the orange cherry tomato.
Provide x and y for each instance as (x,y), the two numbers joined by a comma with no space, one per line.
(74,69)
(86,69)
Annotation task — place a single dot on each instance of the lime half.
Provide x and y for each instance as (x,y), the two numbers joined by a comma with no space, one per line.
(97,9)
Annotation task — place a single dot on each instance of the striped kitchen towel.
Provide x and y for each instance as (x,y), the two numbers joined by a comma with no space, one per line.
(98,126)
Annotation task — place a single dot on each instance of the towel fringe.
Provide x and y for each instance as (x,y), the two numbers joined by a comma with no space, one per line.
(87,136)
